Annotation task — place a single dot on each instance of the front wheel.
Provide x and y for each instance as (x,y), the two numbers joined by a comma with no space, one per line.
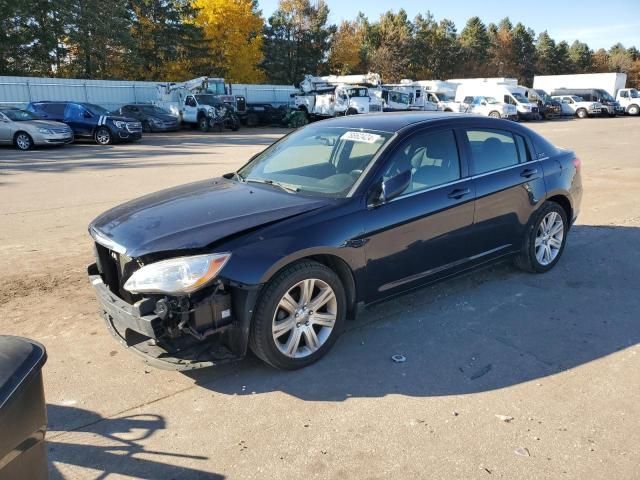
(582,113)
(203,124)
(23,141)
(103,136)
(494,114)
(633,110)
(545,239)
(299,316)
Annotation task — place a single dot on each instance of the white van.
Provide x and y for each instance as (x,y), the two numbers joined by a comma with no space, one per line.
(507,93)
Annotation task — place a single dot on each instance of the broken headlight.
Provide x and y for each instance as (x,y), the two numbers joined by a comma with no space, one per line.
(177,276)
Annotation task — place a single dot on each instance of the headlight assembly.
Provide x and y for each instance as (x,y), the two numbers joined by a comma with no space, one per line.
(45,131)
(119,123)
(177,276)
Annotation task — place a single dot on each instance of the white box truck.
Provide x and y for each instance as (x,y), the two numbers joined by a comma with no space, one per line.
(605,88)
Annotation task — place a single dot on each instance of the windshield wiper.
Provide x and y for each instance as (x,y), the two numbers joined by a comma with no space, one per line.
(238,176)
(283,186)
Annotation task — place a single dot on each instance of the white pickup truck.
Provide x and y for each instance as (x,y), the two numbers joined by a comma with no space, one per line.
(574,105)
(629,98)
(489,107)
(334,100)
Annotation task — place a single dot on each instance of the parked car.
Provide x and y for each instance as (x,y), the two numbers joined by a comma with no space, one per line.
(90,121)
(576,106)
(24,130)
(629,99)
(336,215)
(548,108)
(489,107)
(152,117)
(608,105)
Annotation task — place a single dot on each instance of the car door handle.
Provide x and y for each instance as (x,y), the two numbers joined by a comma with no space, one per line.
(529,172)
(459,193)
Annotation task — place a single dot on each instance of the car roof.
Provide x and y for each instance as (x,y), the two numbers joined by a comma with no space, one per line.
(397,121)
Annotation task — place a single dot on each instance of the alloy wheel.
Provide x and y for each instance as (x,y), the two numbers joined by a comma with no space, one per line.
(23,141)
(103,137)
(304,318)
(549,238)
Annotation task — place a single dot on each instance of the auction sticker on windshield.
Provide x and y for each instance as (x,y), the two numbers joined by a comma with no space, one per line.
(361,137)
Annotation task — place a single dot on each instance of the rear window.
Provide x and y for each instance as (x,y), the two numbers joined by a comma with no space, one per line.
(492,150)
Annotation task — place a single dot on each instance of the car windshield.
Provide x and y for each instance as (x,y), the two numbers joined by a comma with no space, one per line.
(216,88)
(358,92)
(318,160)
(96,109)
(208,100)
(633,93)
(543,95)
(605,95)
(18,115)
(520,97)
(152,109)
(444,97)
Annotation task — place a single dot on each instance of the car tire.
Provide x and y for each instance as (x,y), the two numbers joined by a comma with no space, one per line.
(633,110)
(103,136)
(23,141)
(285,325)
(494,114)
(582,113)
(203,124)
(544,239)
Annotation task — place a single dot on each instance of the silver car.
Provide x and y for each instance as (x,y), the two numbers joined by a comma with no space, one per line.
(24,129)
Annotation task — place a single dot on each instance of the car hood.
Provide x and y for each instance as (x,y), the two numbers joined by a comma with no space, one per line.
(164,118)
(42,124)
(121,118)
(195,215)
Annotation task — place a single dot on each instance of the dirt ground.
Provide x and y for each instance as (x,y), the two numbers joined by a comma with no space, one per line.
(508,375)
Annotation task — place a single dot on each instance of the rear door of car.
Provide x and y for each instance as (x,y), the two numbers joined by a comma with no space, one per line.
(51,111)
(76,117)
(424,232)
(509,186)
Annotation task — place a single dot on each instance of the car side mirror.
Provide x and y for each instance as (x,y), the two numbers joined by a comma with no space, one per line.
(484,103)
(390,189)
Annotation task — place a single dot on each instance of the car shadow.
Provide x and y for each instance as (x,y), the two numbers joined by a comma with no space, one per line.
(116,447)
(490,329)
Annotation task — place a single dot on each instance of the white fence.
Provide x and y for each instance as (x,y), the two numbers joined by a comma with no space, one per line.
(111,94)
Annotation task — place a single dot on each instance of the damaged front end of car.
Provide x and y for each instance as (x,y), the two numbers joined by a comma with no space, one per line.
(177,312)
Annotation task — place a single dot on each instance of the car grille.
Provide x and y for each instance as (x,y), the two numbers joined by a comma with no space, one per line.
(115,269)
(134,127)
(60,129)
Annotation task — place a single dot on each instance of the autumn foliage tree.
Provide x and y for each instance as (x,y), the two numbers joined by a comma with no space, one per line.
(233,29)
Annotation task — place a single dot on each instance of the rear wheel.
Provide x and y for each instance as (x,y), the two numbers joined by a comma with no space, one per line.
(299,316)
(494,114)
(103,136)
(582,113)
(633,110)
(545,239)
(23,141)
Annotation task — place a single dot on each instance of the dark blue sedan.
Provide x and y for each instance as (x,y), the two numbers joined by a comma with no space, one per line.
(337,215)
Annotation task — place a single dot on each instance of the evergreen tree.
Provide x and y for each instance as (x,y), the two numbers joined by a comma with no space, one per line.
(563,60)
(297,40)
(547,55)
(436,48)
(474,48)
(391,38)
(620,59)
(523,53)
(580,56)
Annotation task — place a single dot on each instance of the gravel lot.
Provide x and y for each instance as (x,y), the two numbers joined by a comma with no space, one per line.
(508,375)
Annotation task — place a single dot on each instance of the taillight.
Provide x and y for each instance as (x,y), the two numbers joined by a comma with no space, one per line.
(577,163)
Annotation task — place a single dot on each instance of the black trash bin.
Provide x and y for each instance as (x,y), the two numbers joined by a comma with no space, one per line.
(23,416)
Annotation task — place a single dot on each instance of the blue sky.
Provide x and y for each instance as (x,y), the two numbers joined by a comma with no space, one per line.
(598,23)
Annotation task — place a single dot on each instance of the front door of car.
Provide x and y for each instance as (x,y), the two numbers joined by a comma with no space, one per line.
(190,109)
(568,106)
(425,231)
(80,119)
(509,186)
(6,132)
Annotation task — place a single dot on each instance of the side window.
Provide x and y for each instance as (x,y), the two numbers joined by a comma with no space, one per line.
(55,109)
(74,112)
(523,150)
(190,102)
(432,158)
(624,94)
(468,100)
(492,150)
(509,100)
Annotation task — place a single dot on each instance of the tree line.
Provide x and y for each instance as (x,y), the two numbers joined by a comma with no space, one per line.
(181,39)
